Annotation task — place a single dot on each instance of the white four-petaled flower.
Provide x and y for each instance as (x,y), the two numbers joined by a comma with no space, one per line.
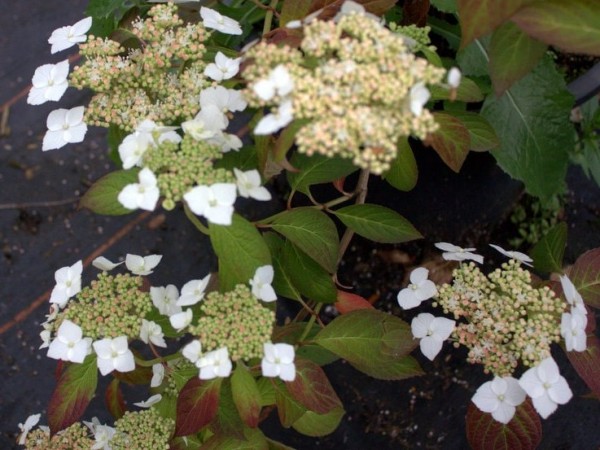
(432,331)
(152,332)
(214,364)
(521,257)
(225,100)
(500,397)
(215,202)
(49,83)
(279,82)
(65,126)
(64,37)
(165,299)
(192,351)
(573,297)
(142,265)
(572,329)
(277,120)
(216,21)
(193,291)
(546,387)
(26,427)
(249,184)
(142,195)
(209,123)
(114,354)
(278,361)
(455,253)
(223,68)
(261,284)
(68,284)
(419,289)
(69,344)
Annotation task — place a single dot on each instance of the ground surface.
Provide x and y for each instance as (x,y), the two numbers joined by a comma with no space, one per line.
(41,230)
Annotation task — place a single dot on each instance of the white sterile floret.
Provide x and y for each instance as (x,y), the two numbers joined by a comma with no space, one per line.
(133,147)
(158,374)
(68,284)
(419,289)
(65,126)
(500,397)
(208,123)
(261,284)
(278,361)
(143,195)
(193,291)
(432,331)
(455,253)
(223,68)
(103,434)
(165,299)
(521,257)
(573,297)
(105,264)
(181,320)
(279,82)
(159,133)
(216,21)
(454,77)
(572,329)
(249,185)
(546,387)
(69,344)
(152,332)
(215,202)
(224,99)
(45,336)
(49,83)
(142,265)
(226,141)
(114,354)
(192,351)
(275,121)
(214,364)
(65,37)
(418,97)
(26,427)
(151,401)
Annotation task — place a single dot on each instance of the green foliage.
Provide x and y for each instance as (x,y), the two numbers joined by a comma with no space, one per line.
(317,169)
(197,405)
(451,141)
(549,251)
(403,172)
(482,136)
(585,275)
(101,198)
(246,395)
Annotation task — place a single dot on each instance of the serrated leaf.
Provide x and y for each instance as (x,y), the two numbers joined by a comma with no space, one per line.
(101,198)
(585,275)
(451,141)
(403,172)
(240,249)
(311,388)
(113,398)
(513,54)
(317,169)
(482,134)
(315,425)
(347,301)
(548,253)
(467,91)
(571,26)
(246,395)
(377,223)
(532,121)
(197,405)
(71,397)
(313,232)
(523,432)
(587,364)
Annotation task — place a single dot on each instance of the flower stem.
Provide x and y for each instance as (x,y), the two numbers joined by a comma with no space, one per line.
(311,322)
(361,193)
(149,363)
(269,16)
(195,221)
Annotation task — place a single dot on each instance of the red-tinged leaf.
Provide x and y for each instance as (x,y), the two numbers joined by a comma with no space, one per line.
(295,10)
(585,275)
(288,409)
(339,184)
(331,7)
(587,364)
(291,37)
(346,302)
(73,393)
(513,54)
(480,17)
(197,405)
(227,422)
(141,375)
(113,397)
(451,141)
(246,395)
(481,133)
(311,388)
(59,368)
(415,12)
(569,25)
(523,432)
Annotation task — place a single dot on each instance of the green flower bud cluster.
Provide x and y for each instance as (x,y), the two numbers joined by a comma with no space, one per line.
(236,320)
(179,167)
(160,80)
(111,306)
(507,319)
(352,84)
(74,437)
(142,430)
(420,35)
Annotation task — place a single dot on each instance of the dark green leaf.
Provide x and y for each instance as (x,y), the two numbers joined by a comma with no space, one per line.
(295,10)
(246,395)
(314,424)
(549,251)
(101,198)
(317,169)
(447,6)
(483,137)
(467,91)
(403,172)
(113,398)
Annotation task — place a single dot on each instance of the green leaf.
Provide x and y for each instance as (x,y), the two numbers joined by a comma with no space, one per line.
(549,251)
(451,141)
(240,249)
(587,364)
(101,198)
(377,223)
(483,137)
(447,6)
(472,61)
(467,91)
(227,421)
(317,169)
(585,275)
(246,395)
(295,10)
(254,440)
(244,159)
(403,172)
(311,388)
(313,232)
(155,316)
(523,432)
(316,354)
(282,281)
(571,26)
(373,342)
(513,54)
(315,425)
(288,409)
(113,398)
(267,391)
(532,122)
(74,390)
(197,405)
